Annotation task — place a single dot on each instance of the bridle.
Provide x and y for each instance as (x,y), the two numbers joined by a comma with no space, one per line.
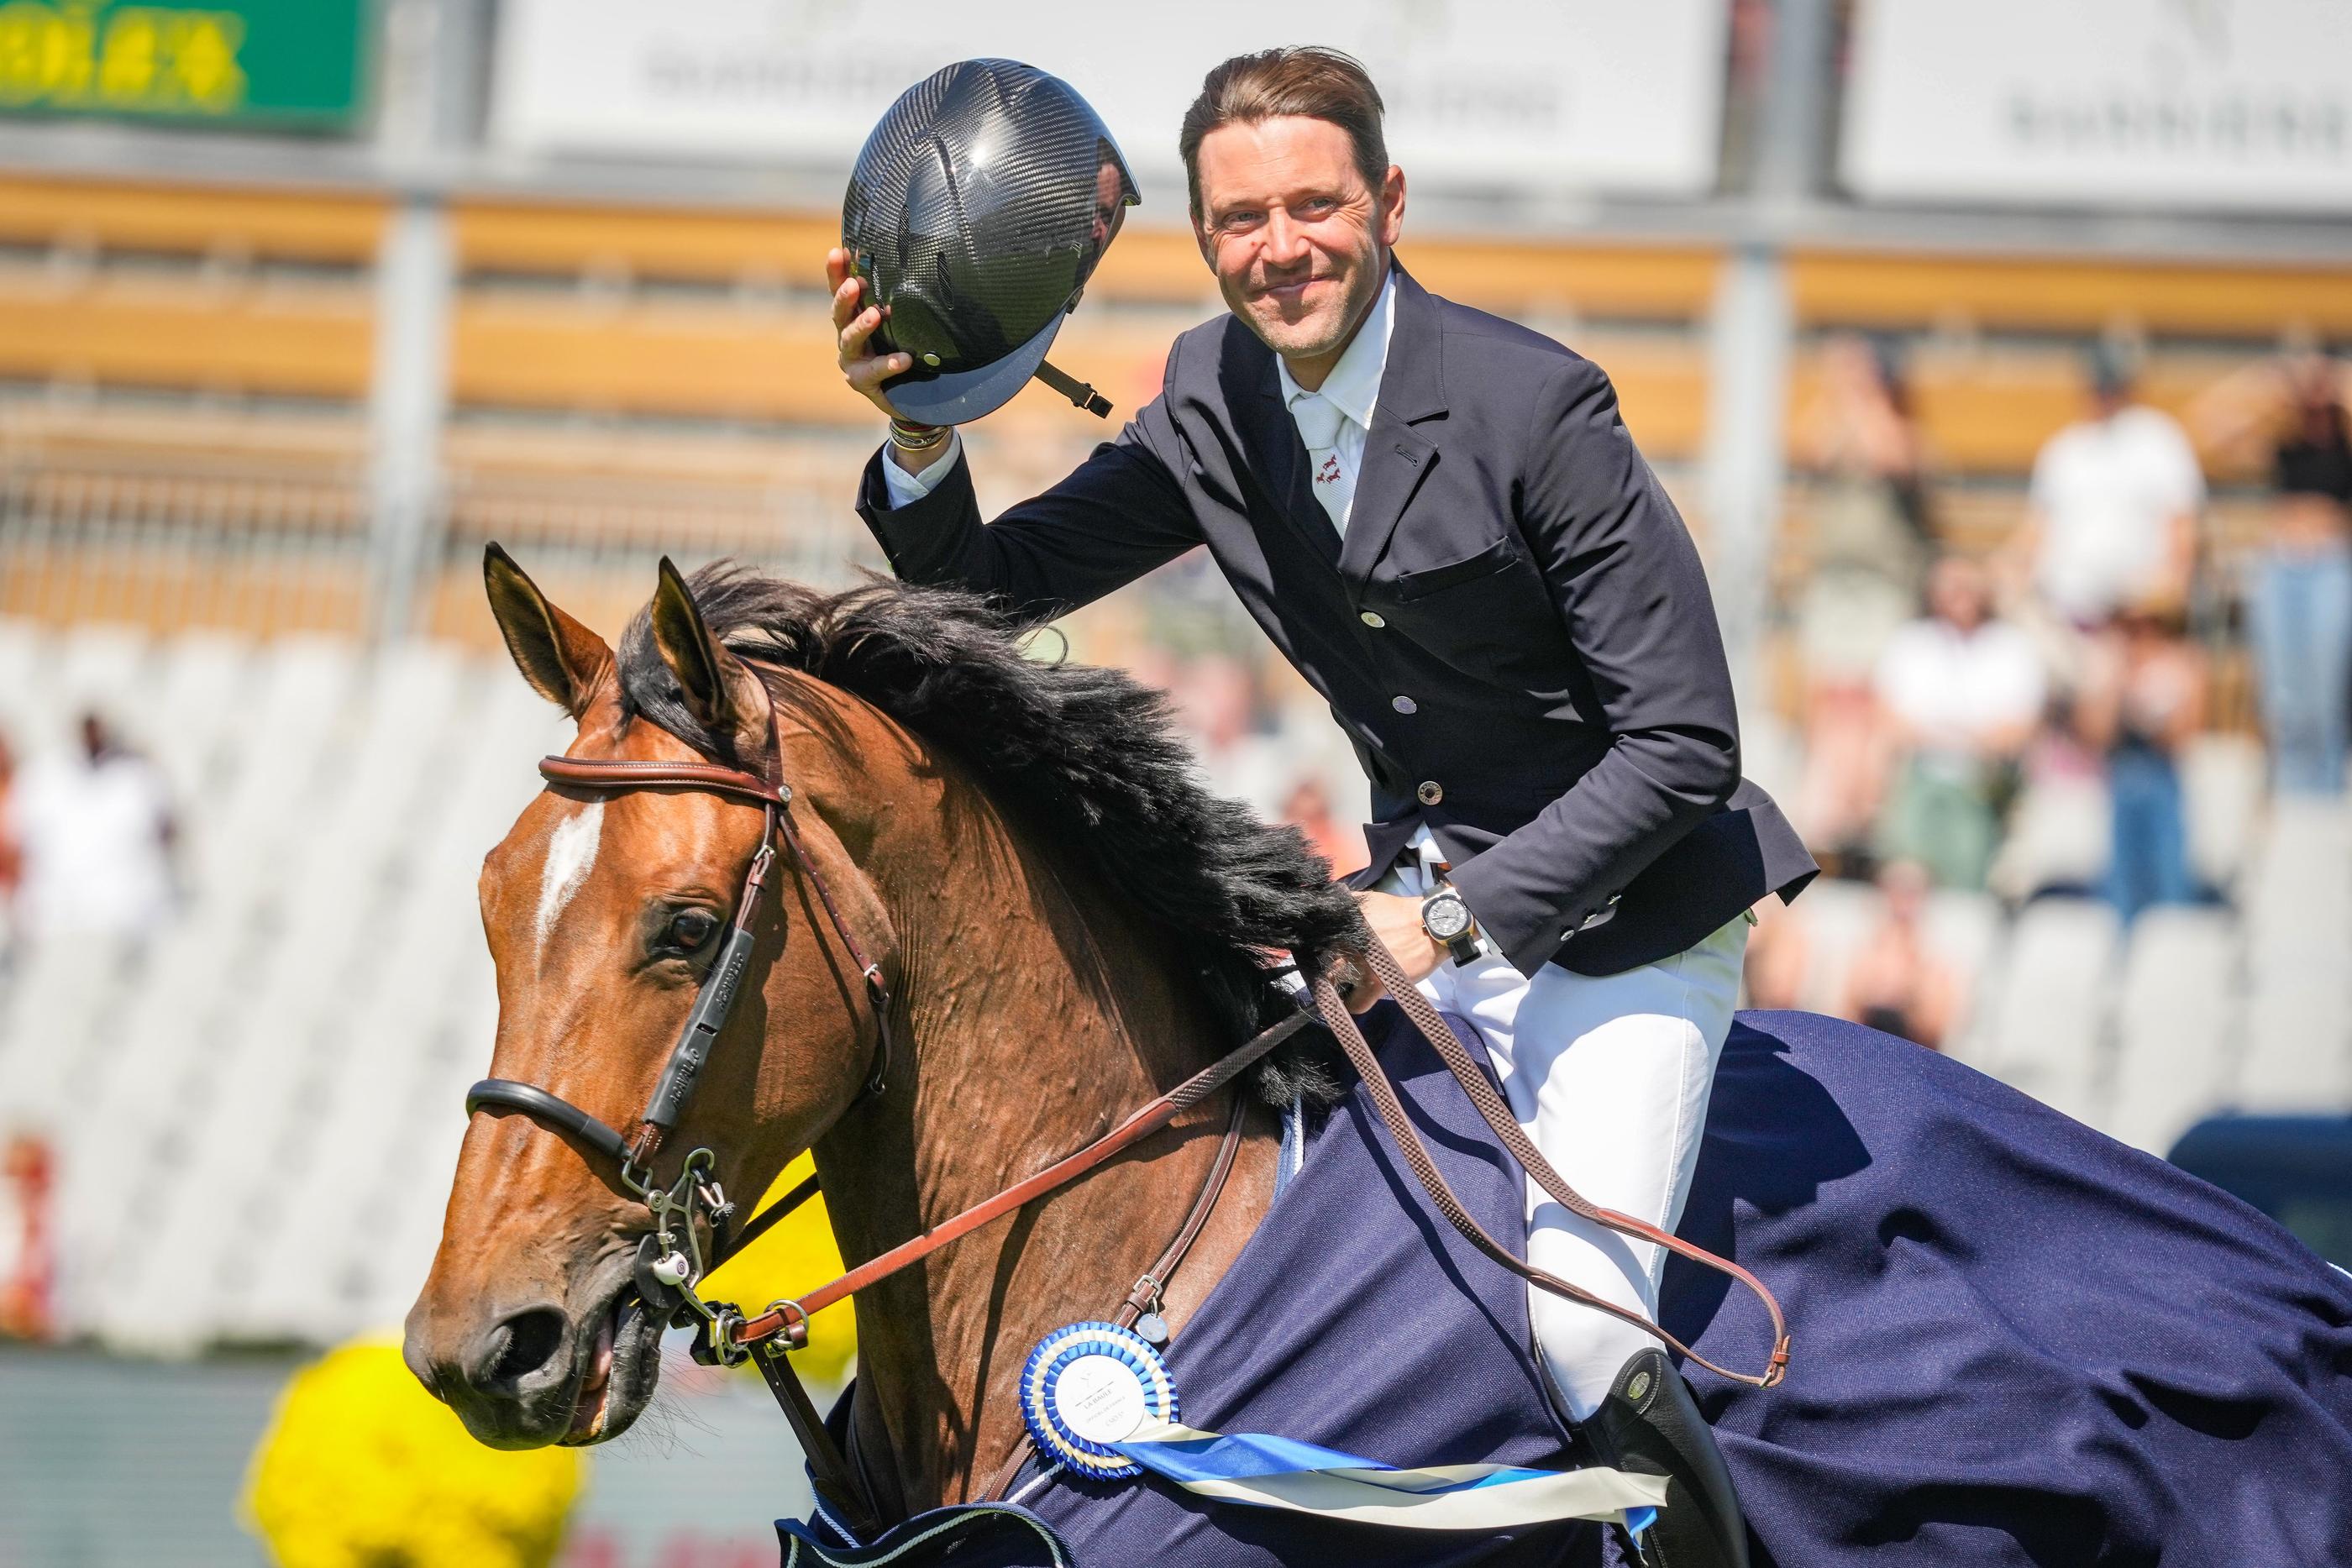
(671,1262)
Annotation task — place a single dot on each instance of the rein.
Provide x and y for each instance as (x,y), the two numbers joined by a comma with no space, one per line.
(672,1260)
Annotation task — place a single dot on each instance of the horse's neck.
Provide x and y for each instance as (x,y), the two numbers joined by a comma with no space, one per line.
(1039,1018)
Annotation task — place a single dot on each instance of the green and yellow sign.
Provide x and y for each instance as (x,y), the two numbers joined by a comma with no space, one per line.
(254,64)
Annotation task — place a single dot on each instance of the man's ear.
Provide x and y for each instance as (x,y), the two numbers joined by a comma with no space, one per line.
(563,660)
(721,693)
(1392,206)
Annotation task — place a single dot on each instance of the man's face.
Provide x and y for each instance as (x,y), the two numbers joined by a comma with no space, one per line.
(1299,243)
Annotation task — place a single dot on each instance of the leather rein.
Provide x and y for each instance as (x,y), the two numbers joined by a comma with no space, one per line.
(672,1260)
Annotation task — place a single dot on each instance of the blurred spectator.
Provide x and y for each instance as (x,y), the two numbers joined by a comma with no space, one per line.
(1216,699)
(1847,757)
(98,833)
(1870,534)
(1898,983)
(12,850)
(1308,807)
(2114,507)
(1962,693)
(2291,418)
(2141,700)
(1780,951)
(27,1264)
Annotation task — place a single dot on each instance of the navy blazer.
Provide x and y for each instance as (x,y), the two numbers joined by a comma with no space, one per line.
(1516,635)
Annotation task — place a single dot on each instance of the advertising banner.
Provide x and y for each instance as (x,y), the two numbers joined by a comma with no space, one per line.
(2161,104)
(1510,94)
(254,64)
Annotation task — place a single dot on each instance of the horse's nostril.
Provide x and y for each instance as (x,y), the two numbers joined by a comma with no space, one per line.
(530,1338)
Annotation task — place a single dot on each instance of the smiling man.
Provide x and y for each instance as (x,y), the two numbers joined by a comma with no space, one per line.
(1438,516)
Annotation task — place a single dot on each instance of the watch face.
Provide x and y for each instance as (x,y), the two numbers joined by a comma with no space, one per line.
(1445,917)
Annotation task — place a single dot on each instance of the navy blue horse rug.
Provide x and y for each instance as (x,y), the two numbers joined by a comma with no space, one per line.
(2017,1342)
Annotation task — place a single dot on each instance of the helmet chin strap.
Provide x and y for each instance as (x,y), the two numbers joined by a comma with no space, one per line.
(1076,390)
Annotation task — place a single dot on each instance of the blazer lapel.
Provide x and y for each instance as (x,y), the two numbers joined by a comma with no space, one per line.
(1397,458)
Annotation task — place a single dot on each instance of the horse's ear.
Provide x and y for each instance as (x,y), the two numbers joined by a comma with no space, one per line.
(563,660)
(721,691)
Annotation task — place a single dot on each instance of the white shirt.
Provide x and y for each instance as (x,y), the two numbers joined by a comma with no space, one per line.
(95,860)
(1353,388)
(1942,681)
(2107,491)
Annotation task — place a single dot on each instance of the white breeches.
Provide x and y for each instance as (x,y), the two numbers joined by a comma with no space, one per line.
(1610,1077)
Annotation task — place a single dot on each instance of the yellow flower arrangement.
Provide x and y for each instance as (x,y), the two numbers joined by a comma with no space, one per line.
(362,1468)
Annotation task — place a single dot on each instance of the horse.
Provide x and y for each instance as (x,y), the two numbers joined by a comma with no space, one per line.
(1016,858)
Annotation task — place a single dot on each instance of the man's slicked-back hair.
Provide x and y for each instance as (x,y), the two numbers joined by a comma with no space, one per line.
(1313,82)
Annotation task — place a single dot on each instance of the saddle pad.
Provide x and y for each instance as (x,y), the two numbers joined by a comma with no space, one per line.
(2016,1340)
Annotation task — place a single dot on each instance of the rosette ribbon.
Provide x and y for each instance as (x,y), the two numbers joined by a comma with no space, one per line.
(1263,1471)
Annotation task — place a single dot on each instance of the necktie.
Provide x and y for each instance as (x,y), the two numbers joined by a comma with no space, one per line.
(1319,421)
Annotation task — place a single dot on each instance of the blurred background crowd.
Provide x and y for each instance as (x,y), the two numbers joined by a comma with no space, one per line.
(1995,353)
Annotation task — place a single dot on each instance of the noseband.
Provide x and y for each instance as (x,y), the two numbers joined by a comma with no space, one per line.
(670,1261)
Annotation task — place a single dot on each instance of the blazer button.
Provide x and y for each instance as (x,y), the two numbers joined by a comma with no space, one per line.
(1430,791)
(1405,704)
(1371,619)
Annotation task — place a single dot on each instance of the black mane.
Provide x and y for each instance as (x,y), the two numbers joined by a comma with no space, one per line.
(1072,746)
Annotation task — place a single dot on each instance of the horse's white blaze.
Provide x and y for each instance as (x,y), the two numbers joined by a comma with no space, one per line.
(571,852)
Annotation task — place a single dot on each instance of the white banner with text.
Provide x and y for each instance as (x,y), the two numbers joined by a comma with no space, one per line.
(2156,104)
(1508,94)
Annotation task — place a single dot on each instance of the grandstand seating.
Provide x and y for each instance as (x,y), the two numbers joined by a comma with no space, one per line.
(325,991)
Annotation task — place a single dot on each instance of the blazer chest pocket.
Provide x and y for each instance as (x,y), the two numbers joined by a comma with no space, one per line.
(1496,557)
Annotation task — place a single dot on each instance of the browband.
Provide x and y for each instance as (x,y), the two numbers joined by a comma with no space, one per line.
(589,774)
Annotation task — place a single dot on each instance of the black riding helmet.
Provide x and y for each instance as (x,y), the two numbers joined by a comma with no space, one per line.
(976,213)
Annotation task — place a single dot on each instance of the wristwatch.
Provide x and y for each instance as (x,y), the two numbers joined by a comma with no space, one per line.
(1448,920)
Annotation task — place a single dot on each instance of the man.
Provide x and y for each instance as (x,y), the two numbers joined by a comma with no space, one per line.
(1439,518)
(2114,507)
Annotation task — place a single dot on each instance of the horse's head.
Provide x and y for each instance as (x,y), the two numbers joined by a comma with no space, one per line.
(605,909)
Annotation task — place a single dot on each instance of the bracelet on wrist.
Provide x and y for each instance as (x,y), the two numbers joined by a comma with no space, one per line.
(908,436)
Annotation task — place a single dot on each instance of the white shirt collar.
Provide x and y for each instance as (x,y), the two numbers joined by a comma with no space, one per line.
(1353,387)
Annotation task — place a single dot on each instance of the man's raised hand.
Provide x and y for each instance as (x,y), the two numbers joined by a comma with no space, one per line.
(854,322)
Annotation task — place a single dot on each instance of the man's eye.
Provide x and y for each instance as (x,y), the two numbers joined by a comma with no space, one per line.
(690,928)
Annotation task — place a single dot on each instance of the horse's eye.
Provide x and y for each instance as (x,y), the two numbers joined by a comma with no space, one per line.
(690,928)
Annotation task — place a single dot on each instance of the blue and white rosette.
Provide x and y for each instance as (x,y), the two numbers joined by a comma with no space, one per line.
(1087,1388)
(1098,1399)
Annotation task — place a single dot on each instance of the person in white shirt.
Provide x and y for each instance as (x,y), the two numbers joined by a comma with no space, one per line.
(2113,509)
(98,833)
(1961,693)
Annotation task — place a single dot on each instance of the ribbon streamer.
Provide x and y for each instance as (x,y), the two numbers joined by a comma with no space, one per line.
(1276,1472)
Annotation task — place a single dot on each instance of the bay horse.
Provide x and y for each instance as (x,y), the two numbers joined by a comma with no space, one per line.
(2018,1341)
(1071,924)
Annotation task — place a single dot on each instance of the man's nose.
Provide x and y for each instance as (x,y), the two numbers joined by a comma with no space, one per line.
(1285,242)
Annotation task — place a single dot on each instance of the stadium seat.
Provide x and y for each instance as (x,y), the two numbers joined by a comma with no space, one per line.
(2048,1034)
(2298,908)
(2222,779)
(2059,837)
(1967,930)
(2177,1024)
